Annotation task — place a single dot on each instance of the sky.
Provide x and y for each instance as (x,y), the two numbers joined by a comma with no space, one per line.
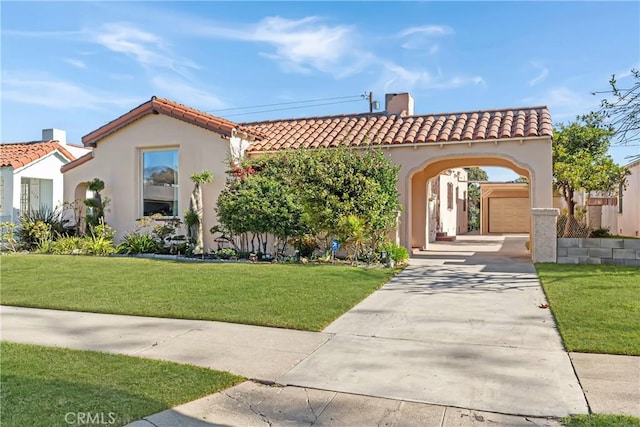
(77,65)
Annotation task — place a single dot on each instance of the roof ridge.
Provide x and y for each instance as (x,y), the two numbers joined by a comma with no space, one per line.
(29,142)
(159,105)
(385,113)
(329,116)
(161,99)
(490,110)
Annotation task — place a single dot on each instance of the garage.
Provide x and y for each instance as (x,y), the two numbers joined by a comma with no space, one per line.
(509,215)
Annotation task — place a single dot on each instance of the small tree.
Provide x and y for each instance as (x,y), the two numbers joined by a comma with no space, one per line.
(193,217)
(473,191)
(581,163)
(352,230)
(95,205)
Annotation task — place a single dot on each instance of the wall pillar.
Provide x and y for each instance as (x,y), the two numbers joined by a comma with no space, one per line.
(543,234)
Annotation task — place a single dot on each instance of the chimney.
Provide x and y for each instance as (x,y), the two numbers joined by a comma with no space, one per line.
(400,104)
(55,135)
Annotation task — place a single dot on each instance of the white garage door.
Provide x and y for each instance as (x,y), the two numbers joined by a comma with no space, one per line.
(509,215)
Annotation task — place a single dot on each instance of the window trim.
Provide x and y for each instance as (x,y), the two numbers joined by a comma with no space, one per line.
(142,152)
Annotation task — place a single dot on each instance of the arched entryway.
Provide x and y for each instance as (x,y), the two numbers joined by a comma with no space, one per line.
(421,213)
(529,157)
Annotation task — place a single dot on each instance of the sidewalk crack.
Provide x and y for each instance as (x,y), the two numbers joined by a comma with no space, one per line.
(251,408)
(157,343)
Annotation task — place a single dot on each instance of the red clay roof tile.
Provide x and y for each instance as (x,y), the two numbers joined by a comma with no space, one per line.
(169,108)
(380,129)
(77,162)
(20,154)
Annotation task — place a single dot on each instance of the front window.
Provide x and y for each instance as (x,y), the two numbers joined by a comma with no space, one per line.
(160,182)
(449,196)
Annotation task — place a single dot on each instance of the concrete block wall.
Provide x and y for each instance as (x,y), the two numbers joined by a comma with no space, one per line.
(599,251)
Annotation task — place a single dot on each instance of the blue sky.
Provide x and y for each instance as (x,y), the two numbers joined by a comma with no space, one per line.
(78,65)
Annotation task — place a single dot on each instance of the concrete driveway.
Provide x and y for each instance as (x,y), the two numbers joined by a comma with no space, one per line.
(465,325)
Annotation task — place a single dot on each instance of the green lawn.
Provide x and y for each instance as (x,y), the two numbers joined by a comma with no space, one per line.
(601,420)
(306,297)
(597,307)
(48,386)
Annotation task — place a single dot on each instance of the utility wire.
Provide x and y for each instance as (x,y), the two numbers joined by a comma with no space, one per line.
(291,108)
(288,103)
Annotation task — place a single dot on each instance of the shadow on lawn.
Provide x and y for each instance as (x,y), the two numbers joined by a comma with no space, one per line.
(37,402)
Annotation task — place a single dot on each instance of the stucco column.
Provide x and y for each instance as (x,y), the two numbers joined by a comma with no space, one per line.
(544,234)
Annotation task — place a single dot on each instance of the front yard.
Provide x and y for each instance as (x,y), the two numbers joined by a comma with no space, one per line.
(306,297)
(597,307)
(48,386)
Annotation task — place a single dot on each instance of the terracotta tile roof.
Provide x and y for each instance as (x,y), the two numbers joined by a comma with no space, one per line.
(381,130)
(20,154)
(173,109)
(77,162)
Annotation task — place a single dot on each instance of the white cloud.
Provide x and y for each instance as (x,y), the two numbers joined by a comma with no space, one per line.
(301,45)
(186,93)
(146,48)
(429,30)
(46,91)
(543,73)
(421,38)
(565,103)
(76,63)
(397,77)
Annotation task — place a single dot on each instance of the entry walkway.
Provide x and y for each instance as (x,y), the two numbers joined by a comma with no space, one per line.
(466,326)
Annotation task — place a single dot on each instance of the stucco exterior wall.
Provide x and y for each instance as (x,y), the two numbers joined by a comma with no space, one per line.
(117,161)
(629,220)
(529,157)
(7,213)
(47,168)
(452,221)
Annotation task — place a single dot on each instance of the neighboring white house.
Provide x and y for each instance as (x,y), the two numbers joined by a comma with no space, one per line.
(30,176)
(622,215)
(448,214)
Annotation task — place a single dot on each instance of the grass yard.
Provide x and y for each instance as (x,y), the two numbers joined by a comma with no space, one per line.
(597,307)
(48,386)
(601,420)
(306,297)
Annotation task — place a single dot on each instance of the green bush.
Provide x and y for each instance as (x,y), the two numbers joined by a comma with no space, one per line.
(398,254)
(68,245)
(100,240)
(31,231)
(137,243)
(600,232)
(226,253)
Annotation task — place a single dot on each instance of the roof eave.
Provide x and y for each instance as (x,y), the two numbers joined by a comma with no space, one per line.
(418,144)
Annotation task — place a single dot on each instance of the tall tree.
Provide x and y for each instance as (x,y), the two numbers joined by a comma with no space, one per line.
(194,215)
(473,191)
(623,109)
(581,162)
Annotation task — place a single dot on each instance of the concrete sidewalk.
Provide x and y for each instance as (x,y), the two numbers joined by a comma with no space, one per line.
(468,328)
(250,404)
(611,382)
(255,352)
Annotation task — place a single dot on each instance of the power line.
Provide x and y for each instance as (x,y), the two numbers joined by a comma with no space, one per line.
(289,103)
(291,108)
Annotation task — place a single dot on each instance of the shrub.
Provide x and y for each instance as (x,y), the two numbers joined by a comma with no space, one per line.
(600,232)
(136,243)
(100,241)
(8,236)
(398,254)
(305,244)
(30,232)
(68,245)
(226,253)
